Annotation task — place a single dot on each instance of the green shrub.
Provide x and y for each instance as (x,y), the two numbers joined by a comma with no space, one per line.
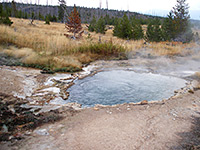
(154,32)
(126,29)
(100,26)
(103,49)
(47,21)
(4,19)
(123,28)
(70,69)
(92,25)
(176,26)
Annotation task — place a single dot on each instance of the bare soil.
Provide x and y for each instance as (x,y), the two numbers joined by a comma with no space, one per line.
(162,125)
(19,81)
(169,124)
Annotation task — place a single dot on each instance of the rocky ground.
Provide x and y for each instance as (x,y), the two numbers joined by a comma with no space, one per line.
(34,114)
(171,124)
(29,99)
(16,120)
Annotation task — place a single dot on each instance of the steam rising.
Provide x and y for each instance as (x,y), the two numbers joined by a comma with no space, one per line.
(184,64)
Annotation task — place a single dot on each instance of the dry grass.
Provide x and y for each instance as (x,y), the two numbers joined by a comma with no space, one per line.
(166,48)
(46,45)
(19,53)
(28,56)
(197,74)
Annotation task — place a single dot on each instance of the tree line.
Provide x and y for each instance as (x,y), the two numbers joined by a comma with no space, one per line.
(7,10)
(175,27)
(41,11)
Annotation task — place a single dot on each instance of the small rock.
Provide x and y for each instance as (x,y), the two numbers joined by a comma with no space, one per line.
(51,130)
(75,106)
(4,128)
(28,133)
(191,91)
(42,132)
(118,109)
(15,148)
(70,84)
(18,135)
(195,84)
(109,112)
(11,109)
(144,102)
(194,105)
(69,78)
(63,109)
(95,108)
(176,91)
(11,137)
(65,95)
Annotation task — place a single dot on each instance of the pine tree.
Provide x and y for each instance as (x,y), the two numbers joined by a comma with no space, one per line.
(150,32)
(62,10)
(92,25)
(158,31)
(181,15)
(123,28)
(100,26)
(117,27)
(168,28)
(61,14)
(138,32)
(14,9)
(74,22)
(49,17)
(154,32)
(8,11)
(54,19)
(107,19)
(177,24)
(32,17)
(47,21)
(40,16)
(19,14)
(26,15)
(137,29)
(126,28)
(1,10)
(4,19)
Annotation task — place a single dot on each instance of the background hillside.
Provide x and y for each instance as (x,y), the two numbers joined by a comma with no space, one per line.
(26,10)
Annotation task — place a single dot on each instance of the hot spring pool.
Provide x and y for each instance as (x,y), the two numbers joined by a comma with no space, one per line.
(121,86)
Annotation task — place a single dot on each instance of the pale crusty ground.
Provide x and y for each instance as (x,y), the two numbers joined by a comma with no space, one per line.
(20,81)
(163,125)
(10,82)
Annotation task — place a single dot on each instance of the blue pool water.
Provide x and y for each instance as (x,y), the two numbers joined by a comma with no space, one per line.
(121,86)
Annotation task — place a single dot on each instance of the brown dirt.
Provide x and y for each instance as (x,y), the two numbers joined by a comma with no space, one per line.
(19,81)
(162,125)
(10,82)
